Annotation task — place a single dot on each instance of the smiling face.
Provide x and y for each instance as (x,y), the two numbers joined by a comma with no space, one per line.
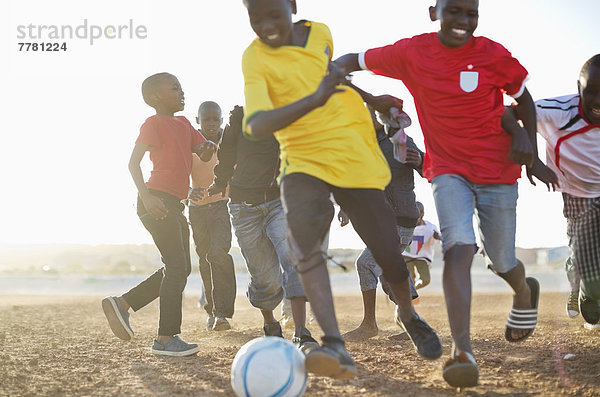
(589,92)
(271,20)
(458,20)
(168,95)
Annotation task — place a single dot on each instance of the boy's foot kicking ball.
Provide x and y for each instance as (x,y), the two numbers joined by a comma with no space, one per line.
(174,347)
(118,317)
(273,329)
(331,359)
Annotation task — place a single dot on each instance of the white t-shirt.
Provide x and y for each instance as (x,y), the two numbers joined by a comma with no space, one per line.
(572,145)
(421,246)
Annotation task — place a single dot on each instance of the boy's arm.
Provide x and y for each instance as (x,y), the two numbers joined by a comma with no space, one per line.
(205,150)
(521,149)
(381,103)
(414,155)
(525,111)
(227,152)
(268,122)
(153,204)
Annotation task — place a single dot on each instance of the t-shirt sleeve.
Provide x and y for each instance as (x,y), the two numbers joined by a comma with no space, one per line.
(510,74)
(389,60)
(149,134)
(197,137)
(256,90)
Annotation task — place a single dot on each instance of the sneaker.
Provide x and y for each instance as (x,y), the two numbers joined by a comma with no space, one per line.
(305,342)
(573,304)
(175,347)
(221,324)
(273,329)
(287,321)
(210,322)
(331,359)
(423,337)
(118,318)
(589,308)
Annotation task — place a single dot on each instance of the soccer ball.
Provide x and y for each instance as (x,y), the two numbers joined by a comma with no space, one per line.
(268,366)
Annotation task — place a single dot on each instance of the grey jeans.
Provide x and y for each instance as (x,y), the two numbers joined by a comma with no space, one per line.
(261,233)
(369,272)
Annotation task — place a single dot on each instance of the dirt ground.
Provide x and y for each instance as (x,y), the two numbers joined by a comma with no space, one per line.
(53,345)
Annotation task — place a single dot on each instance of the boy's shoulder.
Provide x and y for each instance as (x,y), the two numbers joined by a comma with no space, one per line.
(559,112)
(560,103)
(156,120)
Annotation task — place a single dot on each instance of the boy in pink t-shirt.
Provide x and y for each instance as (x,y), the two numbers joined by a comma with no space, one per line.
(457,81)
(171,140)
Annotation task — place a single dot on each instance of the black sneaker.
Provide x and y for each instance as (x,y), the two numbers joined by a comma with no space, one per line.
(305,342)
(423,337)
(331,359)
(273,329)
(118,318)
(589,308)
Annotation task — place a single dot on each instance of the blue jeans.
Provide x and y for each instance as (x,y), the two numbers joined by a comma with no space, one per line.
(369,272)
(495,206)
(261,233)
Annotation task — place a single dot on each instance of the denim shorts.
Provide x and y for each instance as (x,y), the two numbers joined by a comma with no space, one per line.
(369,272)
(495,207)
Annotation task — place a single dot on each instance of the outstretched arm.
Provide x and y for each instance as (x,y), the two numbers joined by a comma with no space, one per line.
(348,62)
(268,122)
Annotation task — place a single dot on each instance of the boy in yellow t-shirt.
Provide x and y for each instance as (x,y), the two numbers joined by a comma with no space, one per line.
(328,146)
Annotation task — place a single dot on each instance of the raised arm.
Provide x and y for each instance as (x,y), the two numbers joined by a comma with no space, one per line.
(348,62)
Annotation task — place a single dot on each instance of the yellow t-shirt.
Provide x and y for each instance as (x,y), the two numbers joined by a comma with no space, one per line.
(336,142)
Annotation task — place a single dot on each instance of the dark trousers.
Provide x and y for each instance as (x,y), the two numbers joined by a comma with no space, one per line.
(172,238)
(211,230)
(309,212)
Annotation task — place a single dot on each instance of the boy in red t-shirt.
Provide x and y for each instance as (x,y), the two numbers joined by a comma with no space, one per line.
(171,140)
(457,82)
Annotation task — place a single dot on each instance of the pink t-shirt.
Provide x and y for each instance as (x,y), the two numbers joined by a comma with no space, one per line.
(458,93)
(171,140)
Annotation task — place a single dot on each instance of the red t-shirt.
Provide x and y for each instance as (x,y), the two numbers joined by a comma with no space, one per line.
(171,140)
(458,96)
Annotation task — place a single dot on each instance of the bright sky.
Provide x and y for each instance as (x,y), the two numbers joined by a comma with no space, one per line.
(71,117)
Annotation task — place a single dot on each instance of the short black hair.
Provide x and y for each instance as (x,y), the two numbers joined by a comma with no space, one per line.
(149,86)
(208,104)
(593,61)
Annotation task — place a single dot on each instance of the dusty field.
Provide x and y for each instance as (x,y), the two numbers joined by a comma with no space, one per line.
(52,345)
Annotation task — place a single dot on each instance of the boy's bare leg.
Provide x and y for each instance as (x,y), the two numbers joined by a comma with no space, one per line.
(522,298)
(368,327)
(298,314)
(268,316)
(456,280)
(318,291)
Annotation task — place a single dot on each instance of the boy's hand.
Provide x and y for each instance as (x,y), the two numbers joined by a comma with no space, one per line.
(413,157)
(329,85)
(155,206)
(383,103)
(543,173)
(206,150)
(521,149)
(236,116)
(215,189)
(343,218)
(197,193)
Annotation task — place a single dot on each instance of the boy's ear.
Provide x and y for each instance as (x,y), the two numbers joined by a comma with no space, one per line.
(294,8)
(197,120)
(432,13)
